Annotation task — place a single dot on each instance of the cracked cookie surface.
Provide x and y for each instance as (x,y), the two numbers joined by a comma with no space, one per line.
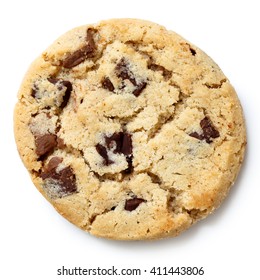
(130,131)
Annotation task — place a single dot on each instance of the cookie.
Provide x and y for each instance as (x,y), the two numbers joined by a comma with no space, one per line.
(128,130)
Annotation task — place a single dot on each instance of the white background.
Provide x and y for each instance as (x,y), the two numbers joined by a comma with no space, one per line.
(35,241)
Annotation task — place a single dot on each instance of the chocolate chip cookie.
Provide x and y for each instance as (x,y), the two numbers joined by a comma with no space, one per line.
(129,130)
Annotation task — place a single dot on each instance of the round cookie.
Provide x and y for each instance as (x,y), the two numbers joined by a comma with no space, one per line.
(130,131)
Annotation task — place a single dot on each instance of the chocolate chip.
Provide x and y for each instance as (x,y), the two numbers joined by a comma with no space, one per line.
(130,168)
(34,90)
(75,58)
(53,80)
(155,67)
(209,131)
(61,85)
(132,204)
(127,147)
(123,71)
(118,142)
(60,143)
(50,169)
(116,138)
(64,180)
(67,180)
(140,87)
(66,96)
(193,52)
(87,51)
(54,162)
(45,144)
(123,142)
(197,135)
(107,84)
(103,152)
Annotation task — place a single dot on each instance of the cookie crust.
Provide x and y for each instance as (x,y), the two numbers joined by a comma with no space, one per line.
(129,130)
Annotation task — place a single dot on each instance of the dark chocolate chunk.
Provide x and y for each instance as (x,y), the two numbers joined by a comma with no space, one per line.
(34,91)
(197,135)
(130,168)
(54,162)
(61,84)
(103,152)
(209,131)
(87,51)
(107,84)
(116,138)
(166,73)
(132,204)
(127,147)
(75,58)
(65,178)
(155,67)
(193,52)
(45,144)
(53,80)
(118,142)
(139,88)
(60,143)
(123,142)
(123,71)
(66,96)
(50,169)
